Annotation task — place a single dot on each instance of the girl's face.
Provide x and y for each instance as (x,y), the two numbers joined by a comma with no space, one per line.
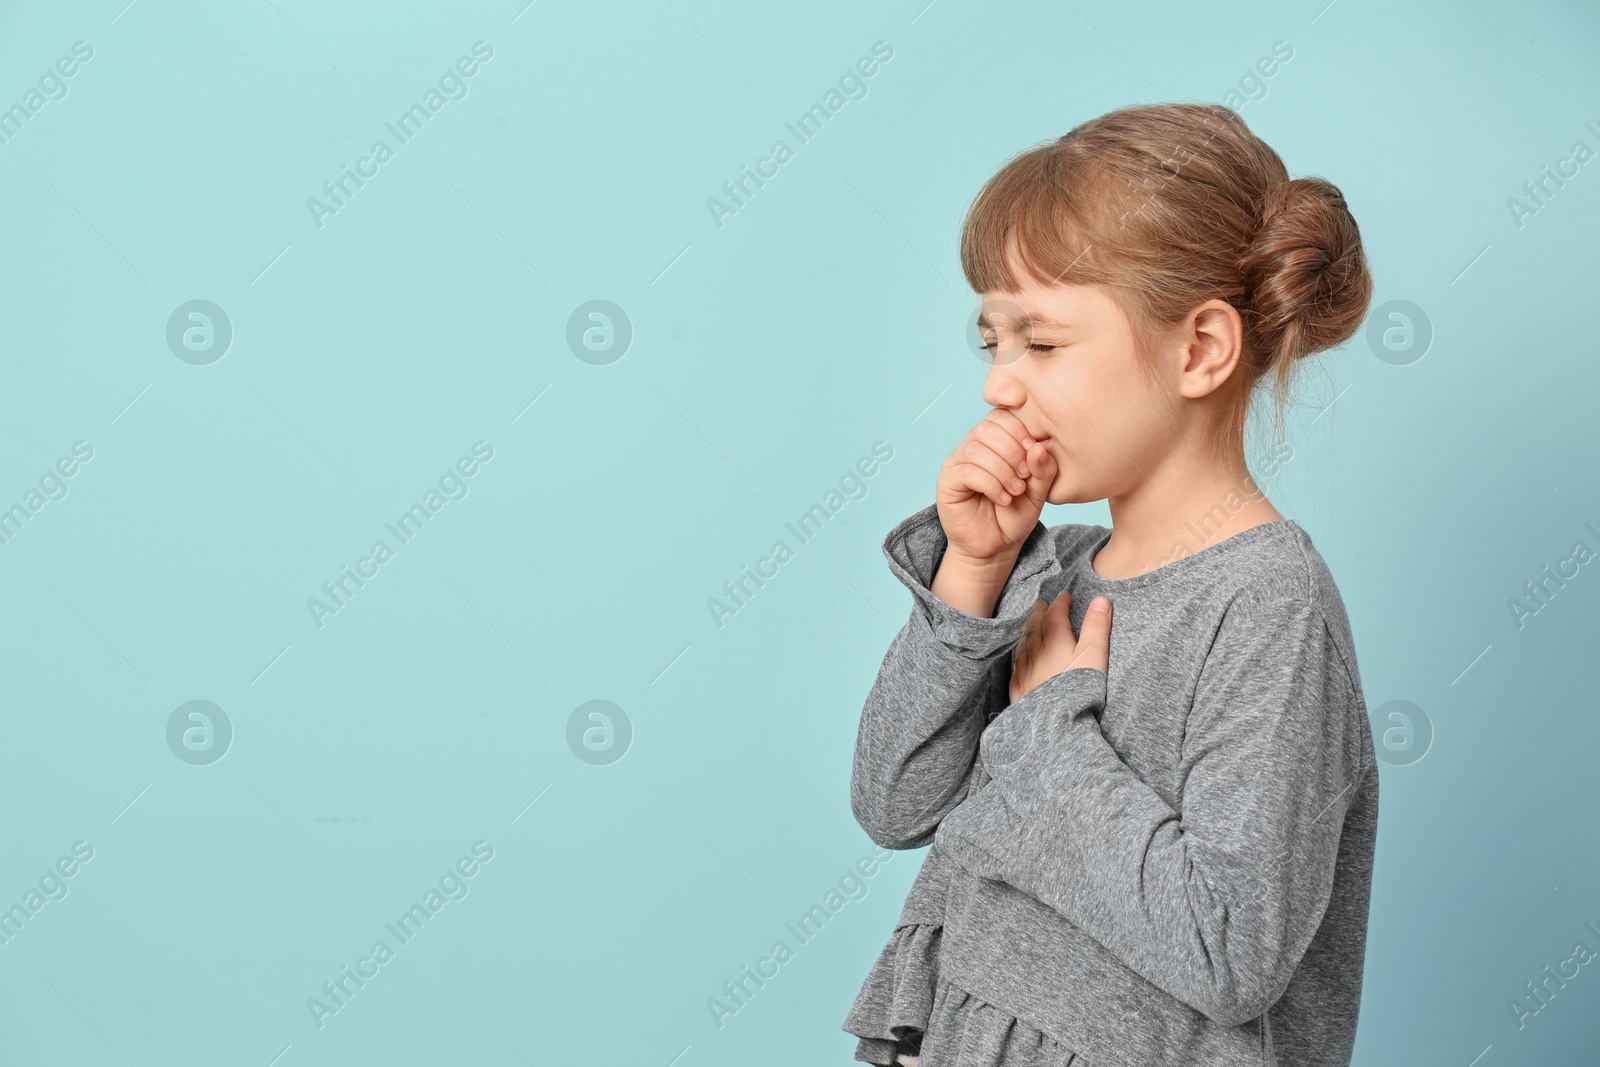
(1063,362)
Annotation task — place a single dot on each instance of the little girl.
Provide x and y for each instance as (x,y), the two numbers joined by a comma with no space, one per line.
(1151,843)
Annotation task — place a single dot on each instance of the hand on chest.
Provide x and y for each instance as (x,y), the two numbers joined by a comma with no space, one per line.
(1146,708)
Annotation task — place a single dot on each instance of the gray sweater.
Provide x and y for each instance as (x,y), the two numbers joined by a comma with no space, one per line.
(1166,864)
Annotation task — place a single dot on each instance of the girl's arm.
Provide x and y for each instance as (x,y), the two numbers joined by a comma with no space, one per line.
(945,671)
(1214,903)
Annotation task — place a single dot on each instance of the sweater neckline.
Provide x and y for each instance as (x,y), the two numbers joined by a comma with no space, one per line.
(1177,567)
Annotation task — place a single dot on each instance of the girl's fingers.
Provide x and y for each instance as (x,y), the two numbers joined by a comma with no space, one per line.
(1010,424)
(1094,638)
(1005,442)
(1022,655)
(1041,473)
(1041,460)
(979,480)
(1058,620)
(1030,628)
(996,462)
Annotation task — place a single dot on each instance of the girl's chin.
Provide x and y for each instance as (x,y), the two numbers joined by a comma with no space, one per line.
(1061,492)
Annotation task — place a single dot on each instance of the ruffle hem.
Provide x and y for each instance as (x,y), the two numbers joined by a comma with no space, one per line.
(905,1007)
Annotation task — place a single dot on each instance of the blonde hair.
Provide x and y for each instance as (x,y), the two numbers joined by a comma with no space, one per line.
(1170,205)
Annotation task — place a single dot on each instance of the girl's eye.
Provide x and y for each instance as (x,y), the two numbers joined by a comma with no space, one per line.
(1032,347)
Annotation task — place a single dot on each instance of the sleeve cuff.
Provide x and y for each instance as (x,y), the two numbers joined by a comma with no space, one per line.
(1035,747)
(1082,690)
(1040,752)
(914,549)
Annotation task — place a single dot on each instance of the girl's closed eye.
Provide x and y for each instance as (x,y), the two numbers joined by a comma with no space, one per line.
(1032,347)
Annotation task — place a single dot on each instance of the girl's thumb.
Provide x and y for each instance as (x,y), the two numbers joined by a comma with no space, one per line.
(1042,473)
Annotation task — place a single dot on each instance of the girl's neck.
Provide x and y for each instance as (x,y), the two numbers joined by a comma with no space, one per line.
(1172,516)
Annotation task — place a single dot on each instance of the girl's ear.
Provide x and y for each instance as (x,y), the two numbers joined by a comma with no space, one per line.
(1212,339)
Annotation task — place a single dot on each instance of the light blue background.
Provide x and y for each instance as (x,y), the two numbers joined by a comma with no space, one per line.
(768,355)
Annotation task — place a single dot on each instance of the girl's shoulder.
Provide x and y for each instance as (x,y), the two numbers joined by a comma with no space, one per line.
(1282,575)
(1275,558)
(1273,565)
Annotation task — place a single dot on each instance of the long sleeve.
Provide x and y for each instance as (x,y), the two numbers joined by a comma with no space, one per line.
(944,673)
(1216,902)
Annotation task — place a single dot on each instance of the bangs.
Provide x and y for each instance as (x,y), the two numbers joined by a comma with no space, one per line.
(1040,207)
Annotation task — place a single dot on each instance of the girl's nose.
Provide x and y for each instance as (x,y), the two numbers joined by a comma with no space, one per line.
(1001,389)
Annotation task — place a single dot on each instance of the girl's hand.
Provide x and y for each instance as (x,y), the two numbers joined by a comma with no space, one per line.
(1047,647)
(991,489)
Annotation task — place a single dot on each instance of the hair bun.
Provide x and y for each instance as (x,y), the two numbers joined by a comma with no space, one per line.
(1306,271)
